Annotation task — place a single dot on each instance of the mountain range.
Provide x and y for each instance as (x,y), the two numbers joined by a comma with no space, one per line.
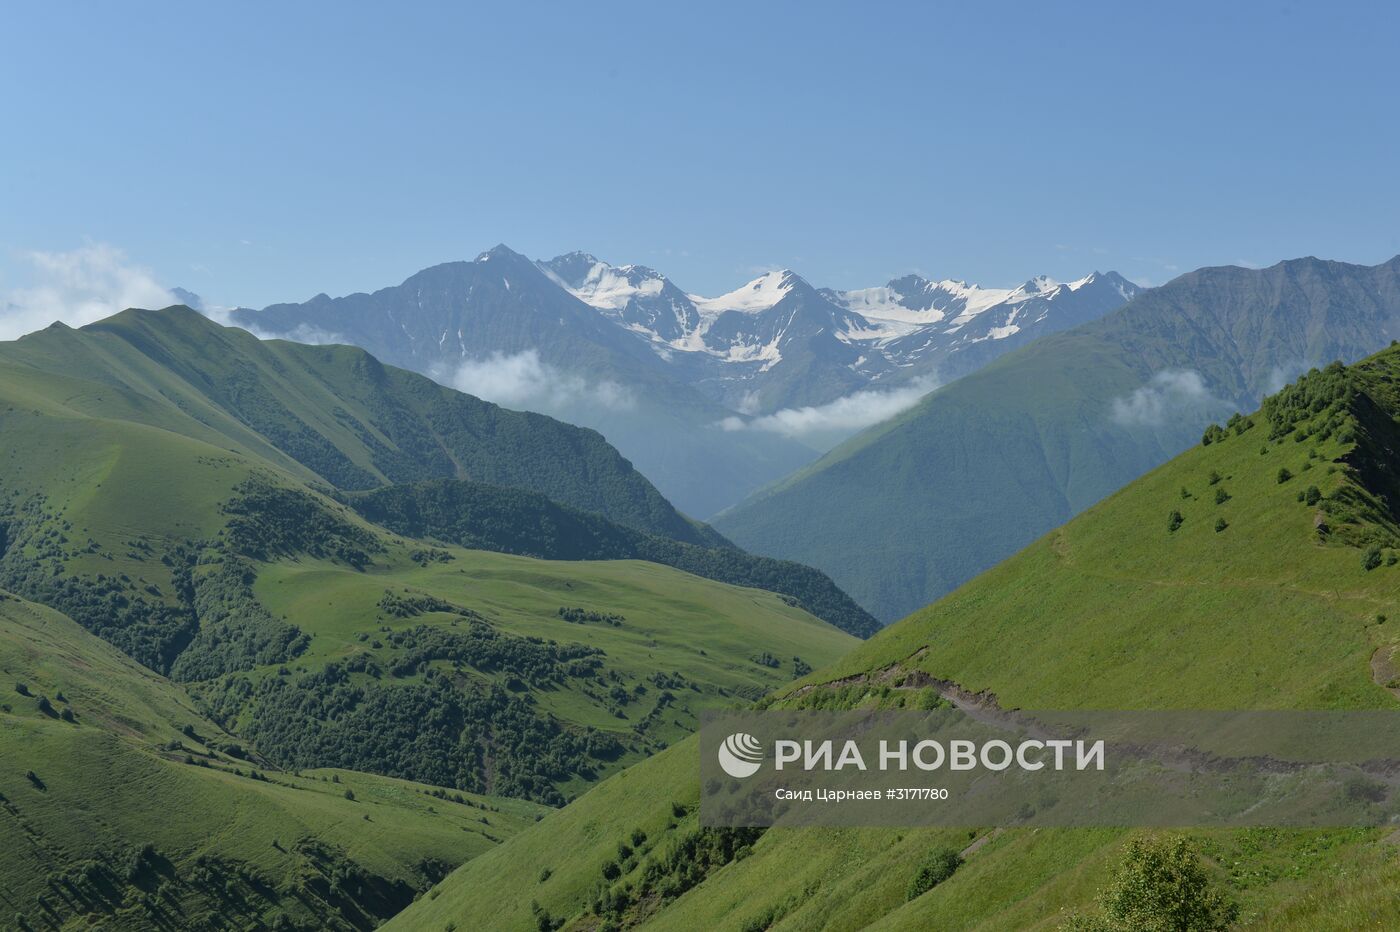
(908,510)
(711,398)
(390,630)
(778,343)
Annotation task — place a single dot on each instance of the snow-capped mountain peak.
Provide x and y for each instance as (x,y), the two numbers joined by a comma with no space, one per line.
(640,298)
(779,330)
(602,285)
(915,300)
(758,295)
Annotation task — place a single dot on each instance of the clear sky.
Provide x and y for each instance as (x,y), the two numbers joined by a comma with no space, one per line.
(265,152)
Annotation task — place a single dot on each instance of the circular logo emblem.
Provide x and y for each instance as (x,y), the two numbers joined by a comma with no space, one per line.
(740,755)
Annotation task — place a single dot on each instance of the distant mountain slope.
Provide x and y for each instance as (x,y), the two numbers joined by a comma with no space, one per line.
(472,514)
(334,412)
(1260,570)
(500,327)
(675,380)
(954,329)
(910,509)
(117,798)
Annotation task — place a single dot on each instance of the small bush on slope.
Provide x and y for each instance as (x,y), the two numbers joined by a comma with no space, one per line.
(1161,886)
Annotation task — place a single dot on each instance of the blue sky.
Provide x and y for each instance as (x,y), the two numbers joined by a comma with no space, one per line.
(265,152)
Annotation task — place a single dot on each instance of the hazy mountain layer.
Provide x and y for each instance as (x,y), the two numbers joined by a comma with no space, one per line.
(910,509)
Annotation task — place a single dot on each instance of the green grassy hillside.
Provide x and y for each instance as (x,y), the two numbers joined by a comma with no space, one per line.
(909,510)
(485,517)
(1259,570)
(326,414)
(304,627)
(332,413)
(506,674)
(121,804)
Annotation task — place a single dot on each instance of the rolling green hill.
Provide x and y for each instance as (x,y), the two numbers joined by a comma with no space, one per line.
(1259,569)
(122,805)
(909,510)
(325,640)
(333,414)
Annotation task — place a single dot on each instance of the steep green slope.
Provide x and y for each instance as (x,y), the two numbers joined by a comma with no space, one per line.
(486,517)
(121,803)
(332,413)
(1259,570)
(906,512)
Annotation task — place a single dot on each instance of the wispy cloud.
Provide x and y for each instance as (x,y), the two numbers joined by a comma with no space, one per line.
(301,333)
(844,415)
(523,380)
(1168,397)
(78,287)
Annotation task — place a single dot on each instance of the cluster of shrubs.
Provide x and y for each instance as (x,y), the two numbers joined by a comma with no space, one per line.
(430,555)
(433,732)
(533,660)
(1299,406)
(266,521)
(411,605)
(235,631)
(936,868)
(581,616)
(660,879)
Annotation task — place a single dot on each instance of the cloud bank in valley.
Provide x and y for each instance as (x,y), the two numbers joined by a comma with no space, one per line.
(78,287)
(844,415)
(524,381)
(1166,397)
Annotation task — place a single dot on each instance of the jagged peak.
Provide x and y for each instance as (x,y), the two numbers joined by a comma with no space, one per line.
(498,252)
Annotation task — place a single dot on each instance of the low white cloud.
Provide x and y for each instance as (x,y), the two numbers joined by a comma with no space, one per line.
(844,415)
(306,333)
(523,380)
(301,333)
(1166,397)
(78,287)
(1283,373)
